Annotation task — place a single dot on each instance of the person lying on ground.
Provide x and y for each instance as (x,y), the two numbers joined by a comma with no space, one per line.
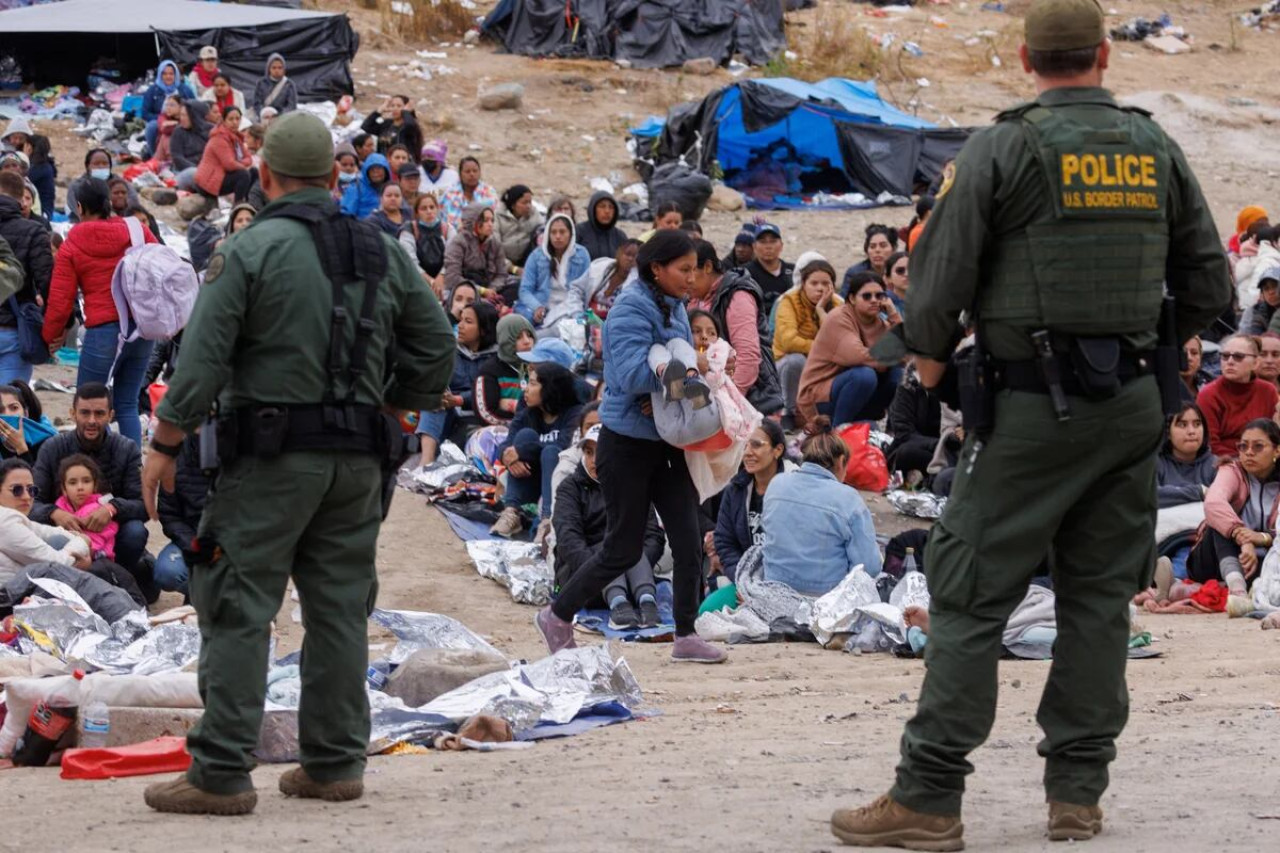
(817,529)
(537,434)
(477,342)
(1236,397)
(579,522)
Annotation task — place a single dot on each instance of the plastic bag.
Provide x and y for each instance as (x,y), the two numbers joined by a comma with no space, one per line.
(162,755)
(867,467)
(681,184)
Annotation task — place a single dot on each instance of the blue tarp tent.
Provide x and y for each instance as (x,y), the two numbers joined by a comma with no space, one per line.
(782,141)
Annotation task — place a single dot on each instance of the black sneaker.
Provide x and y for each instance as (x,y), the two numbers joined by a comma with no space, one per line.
(697,392)
(624,617)
(649,614)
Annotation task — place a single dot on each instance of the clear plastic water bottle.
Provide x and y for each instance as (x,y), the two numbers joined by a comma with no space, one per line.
(909,564)
(97,725)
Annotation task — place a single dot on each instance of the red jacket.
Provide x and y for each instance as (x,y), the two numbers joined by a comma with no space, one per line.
(1228,406)
(220,158)
(85,263)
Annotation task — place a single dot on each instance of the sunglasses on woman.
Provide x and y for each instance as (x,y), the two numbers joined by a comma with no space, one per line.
(871,297)
(33,491)
(899,270)
(1255,448)
(1236,356)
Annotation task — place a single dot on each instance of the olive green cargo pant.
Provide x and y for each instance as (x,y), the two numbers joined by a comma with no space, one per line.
(1087,488)
(313,516)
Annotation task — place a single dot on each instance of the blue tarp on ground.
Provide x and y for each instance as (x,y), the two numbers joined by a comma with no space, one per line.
(780,138)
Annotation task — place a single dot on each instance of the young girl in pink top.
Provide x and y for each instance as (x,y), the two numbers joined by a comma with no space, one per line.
(81,484)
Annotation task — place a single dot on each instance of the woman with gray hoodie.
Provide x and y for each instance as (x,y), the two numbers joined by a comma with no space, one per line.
(275,90)
(186,146)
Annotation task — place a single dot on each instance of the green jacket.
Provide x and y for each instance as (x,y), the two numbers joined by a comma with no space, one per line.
(260,330)
(999,190)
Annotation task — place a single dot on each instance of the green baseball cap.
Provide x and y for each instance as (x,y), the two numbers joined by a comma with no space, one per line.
(1065,25)
(298,145)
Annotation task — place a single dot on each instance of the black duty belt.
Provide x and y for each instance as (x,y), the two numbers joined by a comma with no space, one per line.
(1028,375)
(270,430)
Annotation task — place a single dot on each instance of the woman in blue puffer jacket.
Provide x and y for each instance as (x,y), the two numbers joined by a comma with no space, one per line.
(364,195)
(636,468)
(544,286)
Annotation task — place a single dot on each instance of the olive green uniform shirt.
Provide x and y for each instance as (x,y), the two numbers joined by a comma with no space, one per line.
(999,189)
(260,330)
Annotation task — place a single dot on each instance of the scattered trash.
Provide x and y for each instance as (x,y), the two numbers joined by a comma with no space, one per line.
(1137,29)
(913,49)
(1263,16)
(1170,45)
(917,504)
(993,7)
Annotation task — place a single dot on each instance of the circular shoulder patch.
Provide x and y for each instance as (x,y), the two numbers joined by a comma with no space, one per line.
(216,265)
(948,178)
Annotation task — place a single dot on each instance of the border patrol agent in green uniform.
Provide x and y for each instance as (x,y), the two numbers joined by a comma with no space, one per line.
(310,329)
(1061,229)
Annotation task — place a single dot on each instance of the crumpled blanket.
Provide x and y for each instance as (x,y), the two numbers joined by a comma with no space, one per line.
(110,602)
(518,566)
(917,504)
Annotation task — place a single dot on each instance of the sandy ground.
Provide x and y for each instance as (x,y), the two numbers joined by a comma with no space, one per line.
(753,756)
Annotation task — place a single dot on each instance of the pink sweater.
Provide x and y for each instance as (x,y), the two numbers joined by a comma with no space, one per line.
(102,542)
(1226,497)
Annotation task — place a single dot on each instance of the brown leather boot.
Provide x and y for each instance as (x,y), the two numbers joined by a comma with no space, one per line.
(886,823)
(181,797)
(1069,822)
(296,783)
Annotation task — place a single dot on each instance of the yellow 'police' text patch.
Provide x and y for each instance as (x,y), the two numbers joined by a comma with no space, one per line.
(1109,182)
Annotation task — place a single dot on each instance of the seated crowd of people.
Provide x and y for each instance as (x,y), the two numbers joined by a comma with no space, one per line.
(773,347)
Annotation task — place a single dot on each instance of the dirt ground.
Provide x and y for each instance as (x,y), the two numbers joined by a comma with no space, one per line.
(753,756)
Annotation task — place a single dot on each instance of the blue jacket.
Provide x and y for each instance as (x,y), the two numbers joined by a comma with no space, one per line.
(153,99)
(466,370)
(815,530)
(536,283)
(634,324)
(361,197)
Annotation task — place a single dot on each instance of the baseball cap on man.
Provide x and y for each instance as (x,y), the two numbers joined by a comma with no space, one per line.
(298,145)
(768,228)
(208,52)
(1053,25)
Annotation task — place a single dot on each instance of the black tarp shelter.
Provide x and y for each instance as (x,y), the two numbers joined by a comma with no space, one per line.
(60,42)
(780,140)
(645,33)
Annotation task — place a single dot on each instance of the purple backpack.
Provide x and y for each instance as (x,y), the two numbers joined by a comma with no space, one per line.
(154,289)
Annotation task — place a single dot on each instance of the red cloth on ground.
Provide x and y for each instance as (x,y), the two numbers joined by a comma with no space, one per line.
(1212,596)
(1228,406)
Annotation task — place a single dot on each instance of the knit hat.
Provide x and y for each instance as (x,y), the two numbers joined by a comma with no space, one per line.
(1249,215)
(437,150)
(803,261)
(744,238)
(345,148)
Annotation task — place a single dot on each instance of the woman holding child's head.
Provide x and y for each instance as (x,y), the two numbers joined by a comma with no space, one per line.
(818,528)
(85,265)
(636,468)
(739,524)
(1237,396)
(1240,511)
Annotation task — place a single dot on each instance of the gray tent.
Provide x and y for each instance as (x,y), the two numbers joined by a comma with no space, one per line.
(60,42)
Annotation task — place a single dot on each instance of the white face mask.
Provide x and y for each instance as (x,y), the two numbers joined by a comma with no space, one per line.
(100,174)
(346,177)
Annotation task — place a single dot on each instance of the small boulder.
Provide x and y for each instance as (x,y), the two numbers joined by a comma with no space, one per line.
(504,96)
(725,199)
(194,206)
(471,37)
(163,196)
(701,66)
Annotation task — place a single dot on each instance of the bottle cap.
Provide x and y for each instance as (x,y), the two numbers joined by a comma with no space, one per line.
(77,674)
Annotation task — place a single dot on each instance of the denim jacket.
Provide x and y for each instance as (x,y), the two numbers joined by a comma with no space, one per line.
(815,530)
